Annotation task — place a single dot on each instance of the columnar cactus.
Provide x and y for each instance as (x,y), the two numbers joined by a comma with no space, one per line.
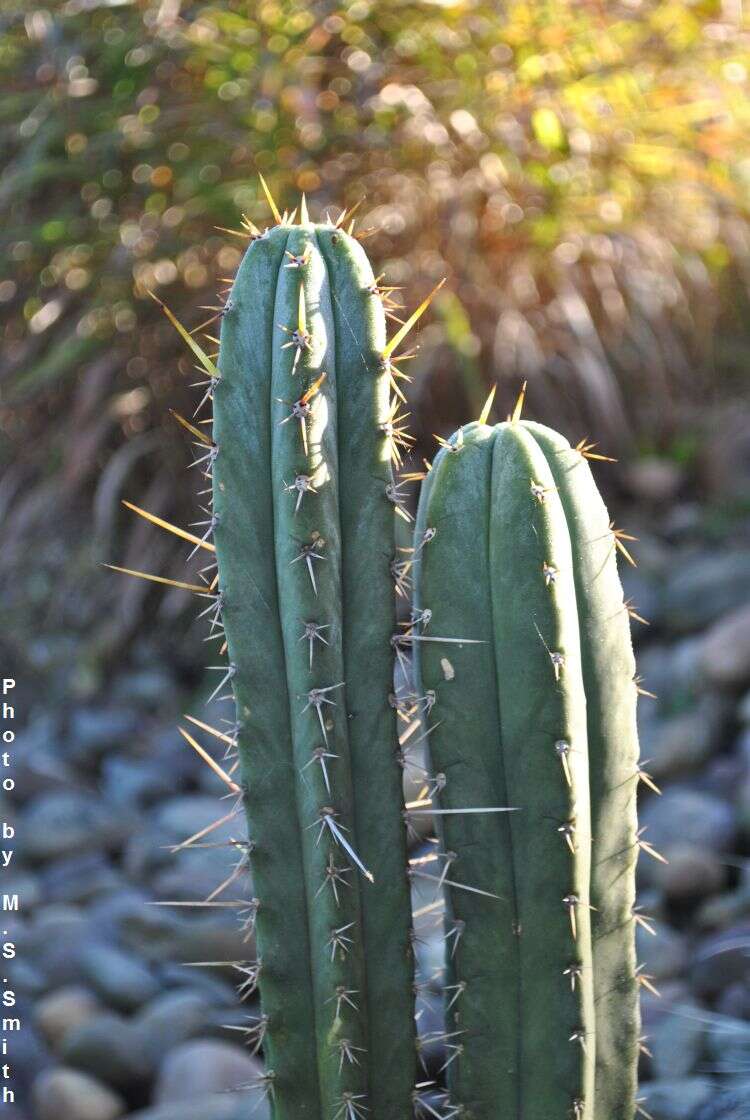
(524,680)
(304,530)
(514,551)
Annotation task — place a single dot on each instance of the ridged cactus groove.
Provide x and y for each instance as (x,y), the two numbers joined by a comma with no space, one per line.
(304,531)
(514,552)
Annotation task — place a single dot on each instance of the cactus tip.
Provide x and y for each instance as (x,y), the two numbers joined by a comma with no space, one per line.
(270,200)
(516,414)
(487,407)
(402,332)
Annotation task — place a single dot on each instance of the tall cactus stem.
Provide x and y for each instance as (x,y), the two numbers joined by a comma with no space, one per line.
(513,550)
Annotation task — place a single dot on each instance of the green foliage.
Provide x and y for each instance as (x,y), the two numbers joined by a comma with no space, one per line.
(303,523)
(525,666)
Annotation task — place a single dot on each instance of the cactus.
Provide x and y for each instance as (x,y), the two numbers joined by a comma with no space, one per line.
(524,681)
(514,551)
(304,532)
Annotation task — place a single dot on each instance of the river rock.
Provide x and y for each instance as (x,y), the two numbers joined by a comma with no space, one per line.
(63,1010)
(675,1036)
(66,823)
(121,980)
(704,586)
(734,1002)
(683,813)
(675,1098)
(683,742)
(725,651)
(728,1045)
(721,960)
(202,1067)
(663,956)
(106,1046)
(68,1094)
(730,1104)
(216,1106)
(79,878)
(172,1018)
(55,940)
(94,731)
(135,783)
(691,873)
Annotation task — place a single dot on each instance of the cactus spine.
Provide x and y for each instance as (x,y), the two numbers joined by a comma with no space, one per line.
(304,534)
(514,550)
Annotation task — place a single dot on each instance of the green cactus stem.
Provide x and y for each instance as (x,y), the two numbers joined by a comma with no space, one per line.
(303,521)
(514,551)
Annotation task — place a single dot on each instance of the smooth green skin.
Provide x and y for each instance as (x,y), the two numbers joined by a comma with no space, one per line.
(267,599)
(499,711)
(608,672)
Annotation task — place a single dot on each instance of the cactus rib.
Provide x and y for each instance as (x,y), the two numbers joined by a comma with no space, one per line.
(304,538)
(524,719)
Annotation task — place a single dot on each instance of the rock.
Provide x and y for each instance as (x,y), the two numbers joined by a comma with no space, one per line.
(109,914)
(147,687)
(742,790)
(195,873)
(723,776)
(172,1018)
(683,813)
(63,1010)
(725,651)
(675,1099)
(18,881)
(67,823)
(675,1034)
(203,1067)
(28,979)
(211,939)
(121,980)
(728,1045)
(685,741)
(173,821)
(78,879)
(704,586)
(683,523)
(734,1002)
(37,763)
(135,783)
(106,1046)
(68,1094)
(215,984)
(691,872)
(663,956)
(644,592)
(732,1104)
(723,460)
(171,932)
(725,909)
(656,668)
(654,480)
(29,1057)
(216,1106)
(55,940)
(721,960)
(93,731)
(179,817)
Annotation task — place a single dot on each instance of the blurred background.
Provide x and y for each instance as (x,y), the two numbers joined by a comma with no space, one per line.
(580,171)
